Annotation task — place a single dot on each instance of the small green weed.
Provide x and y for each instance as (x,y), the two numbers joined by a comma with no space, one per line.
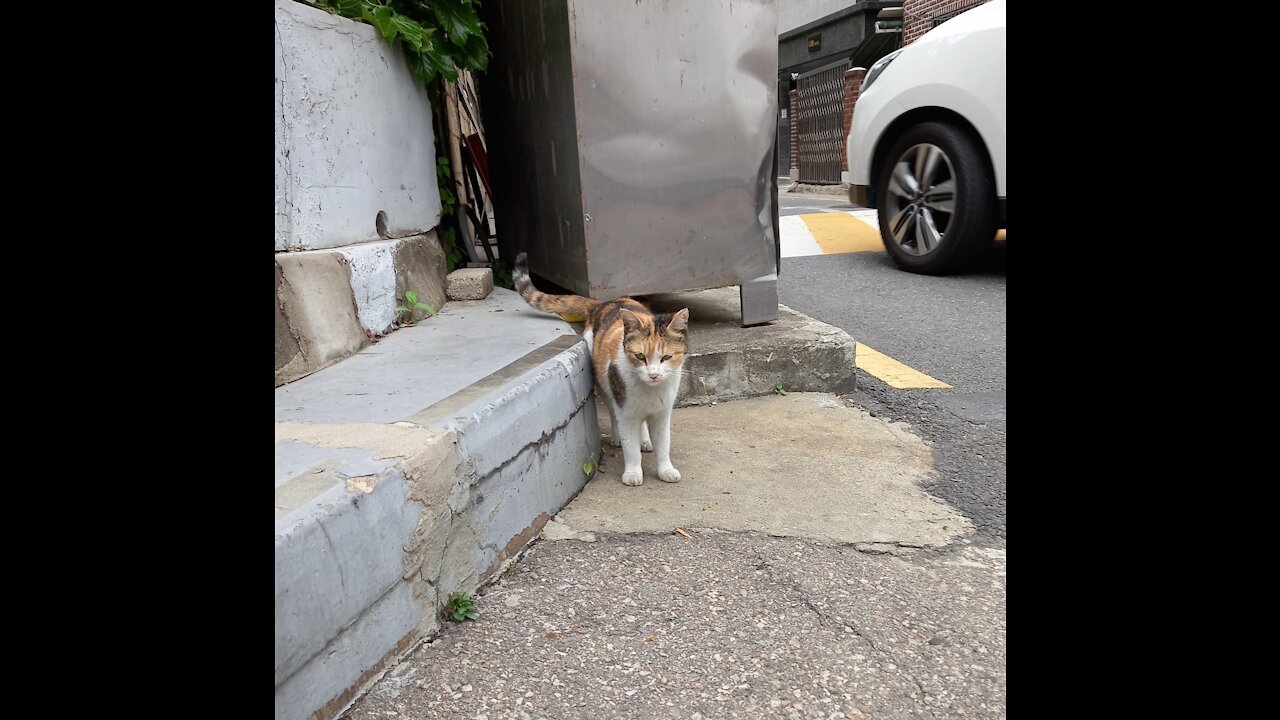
(412,305)
(778,389)
(461,607)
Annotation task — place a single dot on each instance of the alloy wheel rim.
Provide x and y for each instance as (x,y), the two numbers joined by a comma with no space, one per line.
(921,199)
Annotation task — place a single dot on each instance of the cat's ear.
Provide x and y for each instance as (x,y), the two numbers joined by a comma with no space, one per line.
(630,320)
(679,321)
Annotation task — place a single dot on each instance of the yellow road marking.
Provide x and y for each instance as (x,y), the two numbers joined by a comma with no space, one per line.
(892,372)
(840,232)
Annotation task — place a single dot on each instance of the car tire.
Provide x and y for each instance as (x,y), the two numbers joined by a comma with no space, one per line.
(947,223)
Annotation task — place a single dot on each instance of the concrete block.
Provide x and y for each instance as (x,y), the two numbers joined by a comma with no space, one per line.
(354,142)
(421,267)
(316,322)
(728,361)
(382,271)
(329,681)
(330,302)
(469,284)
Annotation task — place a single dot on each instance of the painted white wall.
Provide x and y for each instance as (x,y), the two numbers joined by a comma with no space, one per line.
(794,13)
(353,134)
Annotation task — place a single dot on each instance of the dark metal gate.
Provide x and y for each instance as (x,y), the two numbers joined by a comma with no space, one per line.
(819,112)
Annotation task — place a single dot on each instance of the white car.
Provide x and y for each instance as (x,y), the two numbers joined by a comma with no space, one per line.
(927,143)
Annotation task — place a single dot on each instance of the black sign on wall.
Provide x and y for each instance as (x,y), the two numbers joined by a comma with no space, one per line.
(815,42)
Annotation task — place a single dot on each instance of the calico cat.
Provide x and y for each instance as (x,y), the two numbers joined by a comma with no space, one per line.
(637,358)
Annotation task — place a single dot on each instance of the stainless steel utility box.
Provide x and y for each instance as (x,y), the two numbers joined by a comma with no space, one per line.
(632,144)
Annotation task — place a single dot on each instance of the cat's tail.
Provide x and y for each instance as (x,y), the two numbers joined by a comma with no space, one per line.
(572,308)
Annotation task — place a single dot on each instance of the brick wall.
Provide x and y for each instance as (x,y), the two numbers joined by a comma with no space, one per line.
(852,85)
(918,15)
(795,128)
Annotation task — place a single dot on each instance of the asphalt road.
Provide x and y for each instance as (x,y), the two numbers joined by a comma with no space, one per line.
(723,626)
(952,328)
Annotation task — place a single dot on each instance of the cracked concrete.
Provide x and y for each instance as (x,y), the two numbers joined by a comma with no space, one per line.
(723,625)
(804,465)
(284,169)
(813,576)
(316,323)
(342,173)
(395,487)
(727,361)
(815,580)
(330,303)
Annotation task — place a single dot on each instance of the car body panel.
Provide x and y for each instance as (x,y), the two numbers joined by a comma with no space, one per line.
(958,66)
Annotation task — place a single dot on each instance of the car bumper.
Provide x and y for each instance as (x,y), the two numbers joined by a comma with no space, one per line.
(858,195)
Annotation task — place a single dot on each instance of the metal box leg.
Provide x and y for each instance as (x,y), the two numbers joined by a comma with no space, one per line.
(759,299)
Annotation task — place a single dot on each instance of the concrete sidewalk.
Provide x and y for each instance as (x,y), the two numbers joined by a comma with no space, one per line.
(797,571)
(422,464)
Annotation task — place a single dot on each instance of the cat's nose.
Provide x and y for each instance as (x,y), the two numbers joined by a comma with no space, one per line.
(653,376)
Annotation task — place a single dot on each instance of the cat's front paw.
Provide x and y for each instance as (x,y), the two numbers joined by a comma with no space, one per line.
(669,474)
(646,446)
(633,478)
(615,441)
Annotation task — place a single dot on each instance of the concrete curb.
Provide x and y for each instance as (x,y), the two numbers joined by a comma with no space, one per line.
(380,518)
(727,361)
(345,601)
(799,353)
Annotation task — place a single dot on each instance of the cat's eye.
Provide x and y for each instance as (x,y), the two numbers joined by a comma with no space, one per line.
(640,357)
(666,358)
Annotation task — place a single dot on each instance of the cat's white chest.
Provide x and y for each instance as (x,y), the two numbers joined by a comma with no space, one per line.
(644,399)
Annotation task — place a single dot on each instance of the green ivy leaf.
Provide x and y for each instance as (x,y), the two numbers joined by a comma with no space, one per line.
(349,8)
(442,64)
(381,18)
(413,33)
(401,309)
(418,66)
(475,54)
(587,468)
(458,19)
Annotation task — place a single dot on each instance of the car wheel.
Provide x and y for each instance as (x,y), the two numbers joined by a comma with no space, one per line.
(937,201)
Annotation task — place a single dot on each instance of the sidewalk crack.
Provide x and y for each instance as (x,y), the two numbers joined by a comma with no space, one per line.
(788,581)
